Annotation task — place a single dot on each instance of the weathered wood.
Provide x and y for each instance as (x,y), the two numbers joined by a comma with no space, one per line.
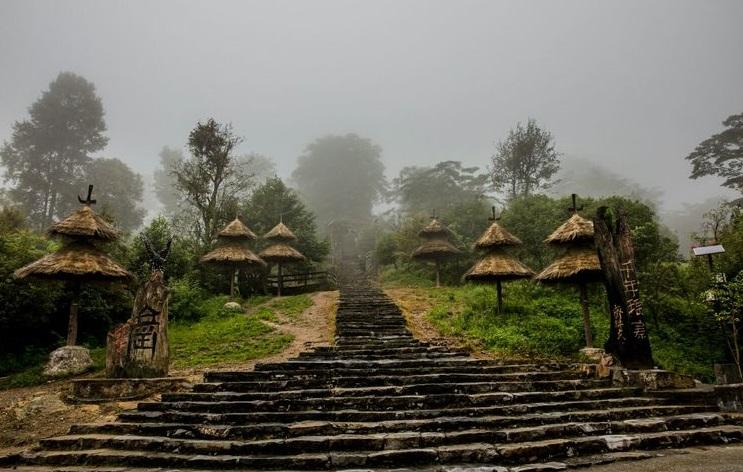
(628,339)
(72,322)
(583,289)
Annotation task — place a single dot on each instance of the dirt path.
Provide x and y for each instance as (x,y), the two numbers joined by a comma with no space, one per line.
(33,413)
(314,327)
(29,414)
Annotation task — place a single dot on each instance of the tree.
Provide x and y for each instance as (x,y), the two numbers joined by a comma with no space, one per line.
(721,155)
(441,187)
(274,201)
(165,181)
(525,161)
(210,181)
(119,191)
(341,177)
(46,155)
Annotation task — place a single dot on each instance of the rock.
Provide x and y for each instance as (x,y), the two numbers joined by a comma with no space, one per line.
(139,348)
(233,306)
(651,379)
(67,361)
(593,353)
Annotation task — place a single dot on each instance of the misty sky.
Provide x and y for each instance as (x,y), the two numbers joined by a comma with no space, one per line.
(632,85)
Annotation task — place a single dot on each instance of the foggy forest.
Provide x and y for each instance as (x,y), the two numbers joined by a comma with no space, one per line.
(473,162)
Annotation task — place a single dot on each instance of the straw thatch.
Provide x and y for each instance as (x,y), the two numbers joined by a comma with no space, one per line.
(280,233)
(281,253)
(577,265)
(434,229)
(435,249)
(236,229)
(576,229)
(85,223)
(77,260)
(496,236)
(232,254)
(496,266)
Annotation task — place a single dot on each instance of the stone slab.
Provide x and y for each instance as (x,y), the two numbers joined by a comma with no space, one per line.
(104,390)
(652,379)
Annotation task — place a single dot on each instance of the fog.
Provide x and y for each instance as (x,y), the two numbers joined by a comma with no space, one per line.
(630,86)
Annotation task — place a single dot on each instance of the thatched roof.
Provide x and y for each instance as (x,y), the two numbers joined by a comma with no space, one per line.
(232,254)
(578,264)
(575,229)
(236,229)
(281,253)
(497,265)
(85,223)
(77,260)
(438,248)
(280,233)
(496,236)
(434,229)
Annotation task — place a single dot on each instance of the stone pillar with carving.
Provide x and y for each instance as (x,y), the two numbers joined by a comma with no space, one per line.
(139,348)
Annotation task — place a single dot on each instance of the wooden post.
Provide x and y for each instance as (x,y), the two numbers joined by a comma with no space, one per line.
(72,323)
(281,282)
(628,339)
(438,277)
(586,314)
(233,281)
(499,291)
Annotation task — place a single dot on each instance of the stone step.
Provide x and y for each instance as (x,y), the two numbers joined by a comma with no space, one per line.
(375,442)
(385,380)
(351,371)
(521,428)
(296,365)
(328,376)
(223,404)
(653,407)
(516,453)
(203,393)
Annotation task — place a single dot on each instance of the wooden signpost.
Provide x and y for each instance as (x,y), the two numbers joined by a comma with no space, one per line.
(628,339)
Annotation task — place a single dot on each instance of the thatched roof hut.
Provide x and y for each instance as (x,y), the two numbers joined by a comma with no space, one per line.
(85,223)
(435,228)
(436,246)
(578,264)
(280,233)
(575,230)
(232,251)
(232,254)
(279,251)
(496,236)
(435,249)
(237,229)
(77,260)
(496,266)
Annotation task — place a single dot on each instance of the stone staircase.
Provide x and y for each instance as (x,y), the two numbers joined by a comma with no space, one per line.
(380,399)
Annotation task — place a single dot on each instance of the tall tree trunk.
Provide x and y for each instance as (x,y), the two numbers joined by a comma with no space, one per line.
(628,339)
(586,314)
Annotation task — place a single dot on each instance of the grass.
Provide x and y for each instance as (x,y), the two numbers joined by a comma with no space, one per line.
(33,375)
(219,336)
(225,339)
(545,322)
(292,306)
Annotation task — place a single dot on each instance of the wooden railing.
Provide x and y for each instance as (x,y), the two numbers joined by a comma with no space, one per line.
(301,280)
